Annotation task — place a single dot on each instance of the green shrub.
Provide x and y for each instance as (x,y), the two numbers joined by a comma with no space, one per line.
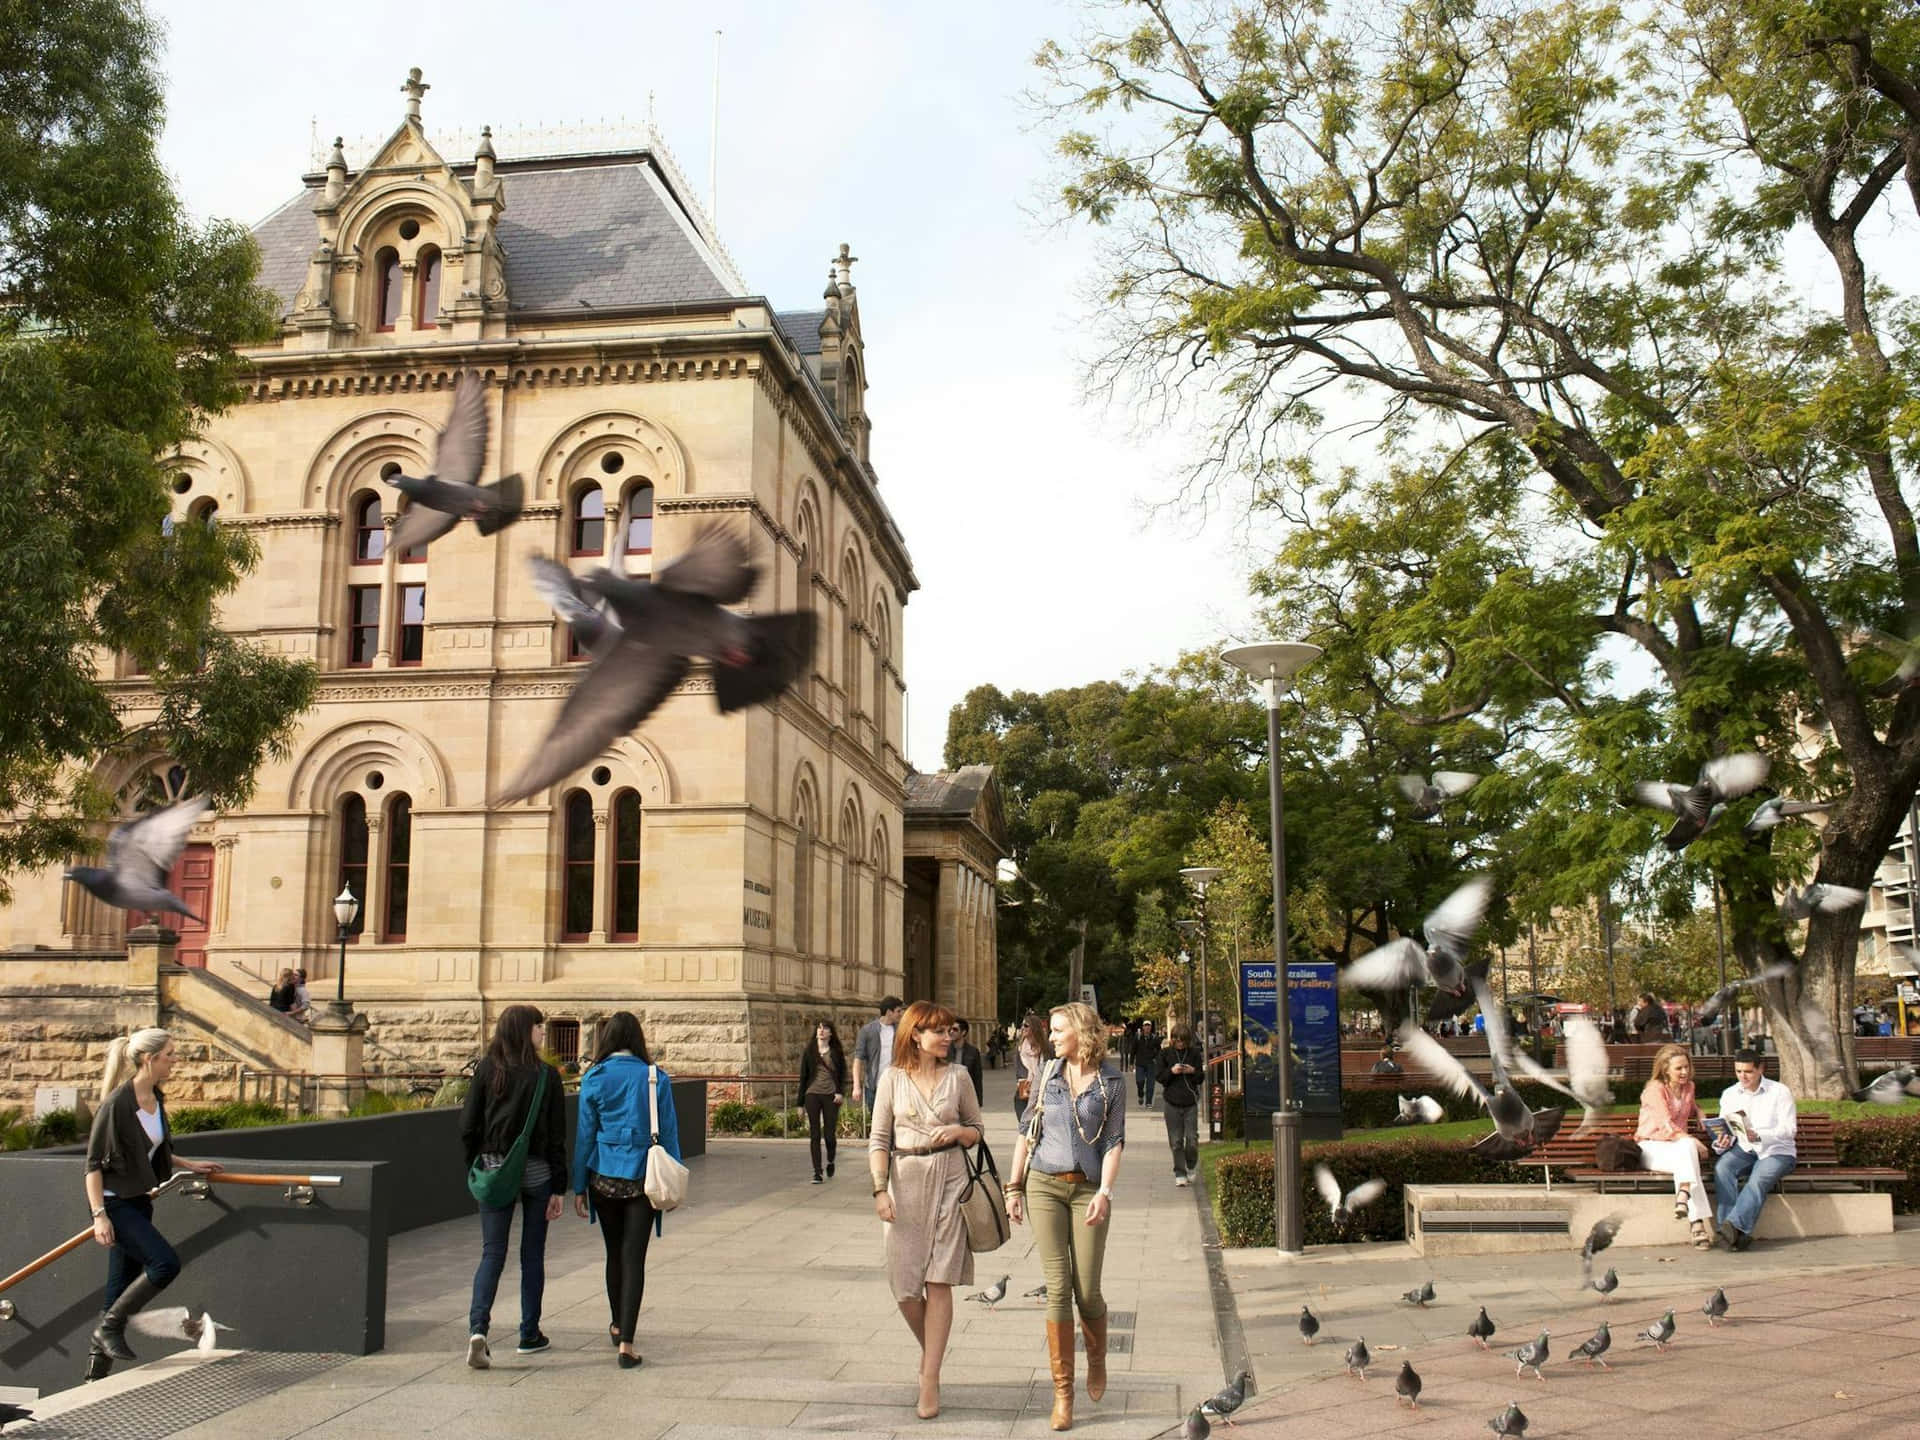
(1893,1140)
(58,1127)
(769,1125)
(854,1123)
(453,1092)
(737,1117)
(238,1115)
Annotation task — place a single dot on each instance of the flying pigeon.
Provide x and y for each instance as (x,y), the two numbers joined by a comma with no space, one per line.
(1449,930)
(1341,1207)
(1429,795)
(1448,1005)
(140,855)
(679,614)
(449,495)
(176,1322)
(1718,1000)
(1530,1356)
(1480,1328)
(1407,1386)
(1660,1332)
(1818,1032)
(1587,1067)
(1512,1422)
(1695,806)
(1358,1358)
(1598,1238)
(1196,1426)
(9,1412)
(1908,673)
(993,1294)
(1309,1325)
(1419,1110)
(1592,1348)
(1517,1128)
(1827,899)
(1039,1292)
(1606,1284)
(1716,1308)
(1229,1398)
(1420,1294)
(1777,808)
(1891,1087)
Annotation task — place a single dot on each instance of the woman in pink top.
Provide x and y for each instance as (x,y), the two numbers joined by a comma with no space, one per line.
(1670,1118)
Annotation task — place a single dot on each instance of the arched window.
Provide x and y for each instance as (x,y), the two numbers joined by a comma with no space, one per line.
(427,302)
(386,265)
(410,629)
(204,512)
(353,858)
(880,645)
(639,513)
(849,910)
(590,521)
(803,887)
(399,853)
(576,887)
(850,667)
(626,867)
(879,858)
(369,534)
(413,554)
(363,624)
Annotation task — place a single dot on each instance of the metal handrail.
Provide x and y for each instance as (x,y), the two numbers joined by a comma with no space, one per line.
(178,1181)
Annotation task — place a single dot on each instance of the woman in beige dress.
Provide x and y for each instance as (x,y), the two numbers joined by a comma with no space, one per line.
(925,1114)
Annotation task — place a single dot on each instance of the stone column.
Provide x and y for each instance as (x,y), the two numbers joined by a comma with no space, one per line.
(223,847)
(373,904)
(602,878)
(148,949)
(339,1037)
(946,935)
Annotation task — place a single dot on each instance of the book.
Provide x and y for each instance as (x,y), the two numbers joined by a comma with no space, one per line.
(1725,1129)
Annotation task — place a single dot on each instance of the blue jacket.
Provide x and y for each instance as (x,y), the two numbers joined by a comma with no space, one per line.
(614,1132)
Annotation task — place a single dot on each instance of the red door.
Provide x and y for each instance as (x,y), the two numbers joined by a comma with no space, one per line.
(192,881)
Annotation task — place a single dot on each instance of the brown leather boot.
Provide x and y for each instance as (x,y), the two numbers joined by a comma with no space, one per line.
(1060,1357)
(1096,1332)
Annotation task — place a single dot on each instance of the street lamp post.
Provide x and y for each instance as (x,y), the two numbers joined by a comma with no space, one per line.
(1271,664)
(1201,876)
(345,910)
(1727,1021)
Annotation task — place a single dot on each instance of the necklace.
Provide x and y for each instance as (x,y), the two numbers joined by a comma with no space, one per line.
(1073,1106)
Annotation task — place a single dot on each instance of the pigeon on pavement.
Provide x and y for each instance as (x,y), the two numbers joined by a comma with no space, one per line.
(450,494)
(1718,1000)
(1798,904)
(993,1294)
(1480,1328)
(1419,1110)
(1341,1207)
(1195,1426)
(1039,1292)
(1660,1332)
(1359,1357)
(1777,808)
(1420,1294)
(1592,1348)
(1449,930)
(1309,1325)
(1407,1385)
(1429,795)
(1229,1398)
(176,1322)
(1530,1356)
(140,855)
(1695,806)
(1716,1308)
(1510,1422)
(1605,1284)
(664,623)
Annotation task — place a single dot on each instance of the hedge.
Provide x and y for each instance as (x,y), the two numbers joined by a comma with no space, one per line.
(240,1115)
(1372,1109)
(1245,1181)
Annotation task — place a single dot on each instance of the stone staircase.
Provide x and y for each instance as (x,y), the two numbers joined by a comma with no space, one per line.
(247,1028)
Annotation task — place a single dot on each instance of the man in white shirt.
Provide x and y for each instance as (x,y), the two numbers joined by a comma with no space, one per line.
(1766,1108)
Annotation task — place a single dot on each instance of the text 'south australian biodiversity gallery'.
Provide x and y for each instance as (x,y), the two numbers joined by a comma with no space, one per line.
(728,877)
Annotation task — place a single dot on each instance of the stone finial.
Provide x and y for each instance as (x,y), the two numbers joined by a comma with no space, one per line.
(337,170)
(415,89)
(843,266)
(832,292)
(483,157)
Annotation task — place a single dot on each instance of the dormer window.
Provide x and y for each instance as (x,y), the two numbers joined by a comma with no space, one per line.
(386,266)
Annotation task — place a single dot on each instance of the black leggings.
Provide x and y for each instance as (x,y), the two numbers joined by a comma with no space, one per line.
(823,1115)
(626,1226)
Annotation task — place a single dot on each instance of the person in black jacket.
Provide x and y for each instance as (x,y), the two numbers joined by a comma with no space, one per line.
(129,1153)
(967,1054)
(1182,1075)
(823,1088)
(499,1101)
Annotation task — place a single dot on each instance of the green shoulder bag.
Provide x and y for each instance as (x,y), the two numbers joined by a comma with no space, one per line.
(499,1188)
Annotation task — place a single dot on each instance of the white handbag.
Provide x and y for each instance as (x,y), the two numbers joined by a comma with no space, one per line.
(666,1185)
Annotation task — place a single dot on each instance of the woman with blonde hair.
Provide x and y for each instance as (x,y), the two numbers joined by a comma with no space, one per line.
(1670,1121)
(924,1113)
(129,1153)
(1065,1165)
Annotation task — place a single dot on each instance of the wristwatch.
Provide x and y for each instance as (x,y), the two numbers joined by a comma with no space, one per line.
(1106,1191)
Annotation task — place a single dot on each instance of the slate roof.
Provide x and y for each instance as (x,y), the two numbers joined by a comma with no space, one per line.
(950,792)
(577,236)
(802,329)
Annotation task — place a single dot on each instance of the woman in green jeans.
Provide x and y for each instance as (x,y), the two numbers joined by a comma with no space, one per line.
(1062,1178)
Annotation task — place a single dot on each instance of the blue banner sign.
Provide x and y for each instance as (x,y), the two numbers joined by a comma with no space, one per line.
(1313,1004)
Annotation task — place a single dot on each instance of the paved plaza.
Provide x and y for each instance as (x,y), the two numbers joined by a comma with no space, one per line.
(766,1314)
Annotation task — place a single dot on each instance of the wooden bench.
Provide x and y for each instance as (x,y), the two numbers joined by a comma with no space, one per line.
(1817,1164)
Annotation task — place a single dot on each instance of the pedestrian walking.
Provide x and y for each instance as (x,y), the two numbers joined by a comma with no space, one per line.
(514,1093)
(1146,1061)
(823,1089)
(966,1055)
(1182,1076)
(924,1113)
(1032,1055)
(1064,1167)
(618,1099)
(129,1153)
(285,993)
(873,1050)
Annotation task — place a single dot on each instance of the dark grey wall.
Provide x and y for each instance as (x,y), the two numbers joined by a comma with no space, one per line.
(284,1276)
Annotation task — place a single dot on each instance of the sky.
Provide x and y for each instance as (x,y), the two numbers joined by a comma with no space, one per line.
(1035,519)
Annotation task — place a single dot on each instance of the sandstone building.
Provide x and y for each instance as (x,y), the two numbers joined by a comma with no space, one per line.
(727,877)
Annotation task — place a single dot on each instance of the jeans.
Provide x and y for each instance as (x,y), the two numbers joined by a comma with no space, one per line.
(1143,1082)
(1071,1251)
(823,1115)
(137,1246)
(626,1226)
(496,1224)
(1761,1176)
(1183,1136)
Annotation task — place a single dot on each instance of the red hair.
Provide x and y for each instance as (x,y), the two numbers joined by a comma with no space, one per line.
(921,1015)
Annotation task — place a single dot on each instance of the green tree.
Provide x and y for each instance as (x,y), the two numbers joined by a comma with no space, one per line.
(119,319)
(1636,494)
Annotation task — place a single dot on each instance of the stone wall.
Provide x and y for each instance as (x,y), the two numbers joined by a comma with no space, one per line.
(427,1037)
(62,1040)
